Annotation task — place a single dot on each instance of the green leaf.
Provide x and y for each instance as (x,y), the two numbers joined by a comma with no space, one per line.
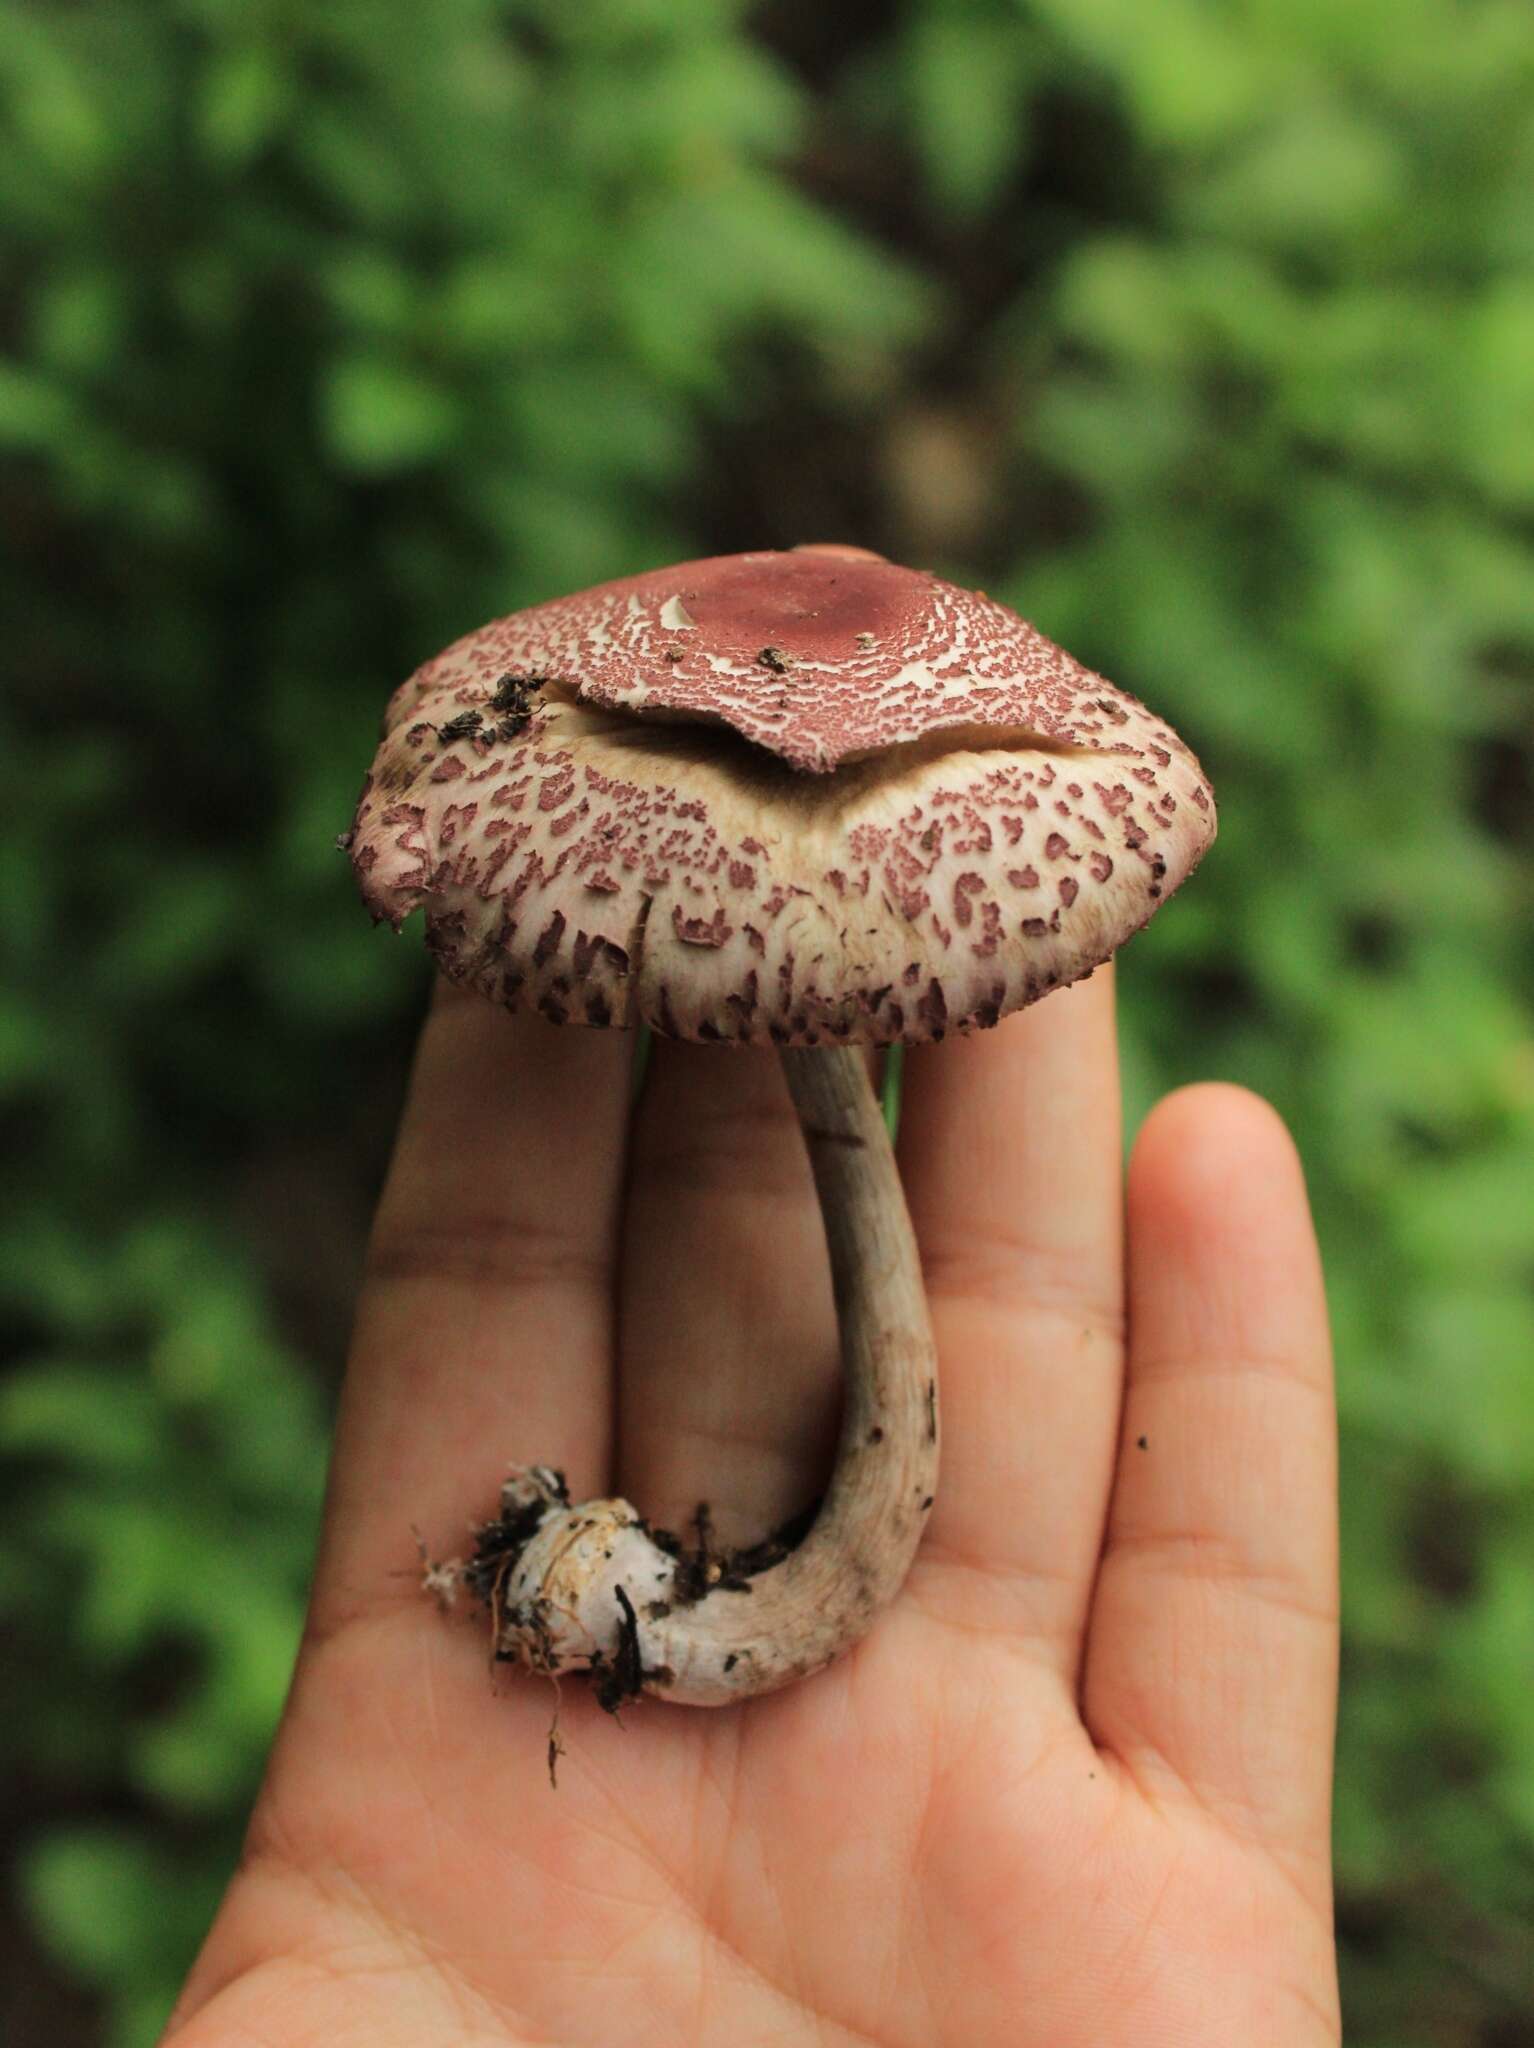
(1495,384)
(970,111)
(101,1897)
(245,96)
(83,1414)
(379,416)
(34,413)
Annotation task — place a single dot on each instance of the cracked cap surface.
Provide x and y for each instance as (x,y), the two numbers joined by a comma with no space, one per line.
(793,798)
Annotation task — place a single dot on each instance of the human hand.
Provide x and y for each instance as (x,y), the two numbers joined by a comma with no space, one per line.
(1072,1789)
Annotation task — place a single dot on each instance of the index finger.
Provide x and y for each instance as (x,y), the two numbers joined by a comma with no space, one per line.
(1011,1153)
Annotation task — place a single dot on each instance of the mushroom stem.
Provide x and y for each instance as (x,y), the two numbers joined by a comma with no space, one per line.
(589,1588)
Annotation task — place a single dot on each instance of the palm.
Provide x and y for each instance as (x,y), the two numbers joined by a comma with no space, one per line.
(1064,1793)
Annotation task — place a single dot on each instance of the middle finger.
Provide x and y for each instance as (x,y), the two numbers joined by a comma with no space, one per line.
(727,1330)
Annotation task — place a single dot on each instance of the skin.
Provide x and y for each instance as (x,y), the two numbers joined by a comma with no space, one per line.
(1074,1787)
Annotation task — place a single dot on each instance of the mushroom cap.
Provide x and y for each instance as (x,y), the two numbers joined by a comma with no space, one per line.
(773,797)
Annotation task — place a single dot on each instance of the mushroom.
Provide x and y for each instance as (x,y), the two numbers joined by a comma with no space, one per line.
(809,799)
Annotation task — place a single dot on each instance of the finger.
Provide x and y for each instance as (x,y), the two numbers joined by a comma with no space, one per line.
(1213,1645)
(1010,1147)
(484,1329)
(729,1390)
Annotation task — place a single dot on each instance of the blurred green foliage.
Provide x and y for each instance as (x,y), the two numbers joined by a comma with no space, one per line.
(1204,333)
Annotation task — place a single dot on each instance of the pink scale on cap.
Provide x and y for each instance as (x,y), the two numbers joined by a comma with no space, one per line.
(817,656)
